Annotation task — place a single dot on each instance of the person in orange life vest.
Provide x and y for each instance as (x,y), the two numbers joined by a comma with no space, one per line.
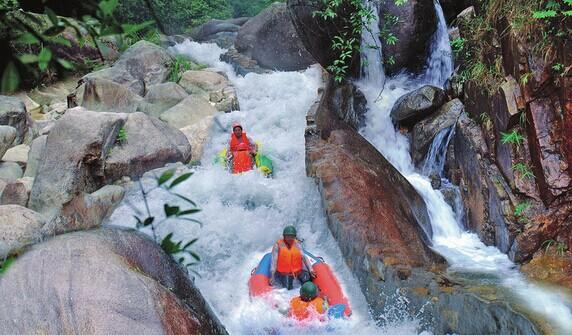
(308,304)
(289,262)
(241,150)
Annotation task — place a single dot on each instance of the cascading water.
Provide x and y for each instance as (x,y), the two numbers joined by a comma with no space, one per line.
(372,70)
(463,250)
(244,215)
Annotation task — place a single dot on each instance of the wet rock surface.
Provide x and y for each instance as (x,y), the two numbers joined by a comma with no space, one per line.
(107,281)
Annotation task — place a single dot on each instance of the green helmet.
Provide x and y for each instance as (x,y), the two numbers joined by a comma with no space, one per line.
(308,291)
(289,231)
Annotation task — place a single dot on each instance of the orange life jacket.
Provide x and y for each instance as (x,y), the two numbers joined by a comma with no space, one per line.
(289,259)
(241,157)
(302,310)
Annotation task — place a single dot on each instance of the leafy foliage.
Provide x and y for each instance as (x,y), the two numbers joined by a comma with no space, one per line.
(30,41)
(523,170)
(251,7)
(513,137)
(5,264)
(122,136)
(521,208)
(176,248)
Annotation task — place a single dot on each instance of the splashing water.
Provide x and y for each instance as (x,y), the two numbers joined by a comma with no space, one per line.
(244,214)
(463,250)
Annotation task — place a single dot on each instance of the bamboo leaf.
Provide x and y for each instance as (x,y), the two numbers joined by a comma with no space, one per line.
(10,78)
(180,179)
(165,177)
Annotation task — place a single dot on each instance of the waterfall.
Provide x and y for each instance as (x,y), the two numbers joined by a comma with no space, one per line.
(463,250)
(440,61)
(371,49)
(435,160)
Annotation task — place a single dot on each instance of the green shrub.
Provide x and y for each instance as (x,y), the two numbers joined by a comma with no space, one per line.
(250,7)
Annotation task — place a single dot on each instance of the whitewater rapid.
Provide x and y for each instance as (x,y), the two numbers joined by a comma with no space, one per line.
(244,215)
(464,251)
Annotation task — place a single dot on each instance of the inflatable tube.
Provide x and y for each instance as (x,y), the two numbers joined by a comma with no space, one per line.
(263,163)
(328,285)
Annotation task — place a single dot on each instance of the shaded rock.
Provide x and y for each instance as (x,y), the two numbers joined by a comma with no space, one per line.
(213,86)
(103,95)
(550,267)
(10,171)
(241,64)
(82,154)
(271,39)
(197,135)
(19,227)
(18,154)
(7,137)
(546,152)
(165,95)
(86,211)
(486,195)
(34,155)
(120,282)
(425,131)
(188,112)
(416,25)
(417,104)
(221,32)
(317,34)
(17,192)
(150,144)
(13,113)
(142,65)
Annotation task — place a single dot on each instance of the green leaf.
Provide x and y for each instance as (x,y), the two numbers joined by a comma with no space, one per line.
(65,64)
(165,177)
(148,221)
(10,78)
(180,179)
(52,16)
(191,242)
(129,29)
(28,58)
(188,212)
(44,58)
(568,2)
(108,6)
(54,30)
(61,40)
(28,38)
(543,14)
(186,199)
(567,12)
(171,210)
(6,264)
(168,245)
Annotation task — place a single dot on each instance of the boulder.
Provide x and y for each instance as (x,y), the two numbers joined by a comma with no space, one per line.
(34,155)
(107,281)
(417,104)
(425,131)
(19,227)
(213,86)
(86,211)
(271,39)
(317,34)
(221,32)
(104,95)
(150,144)
(13,113)
(188,112)
(416,25)
(18,154)
(7,137)
(83,153)
(10,171)
(142,65)
(241,64)
(17,192)
(197,134)
(165,95)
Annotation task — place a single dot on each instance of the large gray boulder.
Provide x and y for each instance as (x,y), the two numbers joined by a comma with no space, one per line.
(83,153)
(271,39)
(188,112)
(34,155)
(213,86)
(106,281)
(150,144)
(417,104)
(104,95)
(17,192)
(425,131)
(10,171)
(221,32)
(7,137)
(19,227)
(142,65)
(13,113)
(166,94)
